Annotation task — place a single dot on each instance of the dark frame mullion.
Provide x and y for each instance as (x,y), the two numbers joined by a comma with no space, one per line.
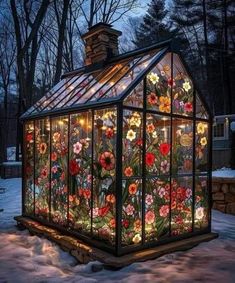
(194,161)
(34,169)
(171,151)
(68,175)
(92,169)
(119,188)
(90,98)
(23,172)
(143,160)
(50,171)
(210,131)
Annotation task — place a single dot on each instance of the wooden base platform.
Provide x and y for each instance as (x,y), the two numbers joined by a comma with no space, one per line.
(85,253)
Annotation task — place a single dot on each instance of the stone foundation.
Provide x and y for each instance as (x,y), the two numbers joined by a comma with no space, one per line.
(223,194)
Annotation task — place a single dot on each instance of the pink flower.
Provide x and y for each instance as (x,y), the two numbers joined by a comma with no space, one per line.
(149,217)
(162,192)
(54,169)
(149,199)
(77,147)
(188,193)
(165,166)
(164,210)
(129,209)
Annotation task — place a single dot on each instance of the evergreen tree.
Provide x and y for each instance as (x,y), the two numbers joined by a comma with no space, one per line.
(154,27)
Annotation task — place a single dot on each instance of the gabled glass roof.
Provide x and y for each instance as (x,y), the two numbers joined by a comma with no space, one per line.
(108,84)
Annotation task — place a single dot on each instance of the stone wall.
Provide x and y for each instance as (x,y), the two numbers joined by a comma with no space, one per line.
(223,194)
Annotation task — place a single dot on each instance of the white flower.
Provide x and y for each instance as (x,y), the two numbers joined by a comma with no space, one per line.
(135,120)
(77,147)
(181,103)
(136,239)
(199,213)
(153,77)
(154,134)
(131,135)
(186,86)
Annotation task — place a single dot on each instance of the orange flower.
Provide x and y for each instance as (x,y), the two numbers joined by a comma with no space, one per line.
(150,128)
(111,198)
(53,156)
(165,104)
(128,172)
(137,225)
(132,189)
(112,223)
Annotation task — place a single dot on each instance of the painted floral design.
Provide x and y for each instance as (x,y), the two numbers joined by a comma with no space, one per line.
(201,146)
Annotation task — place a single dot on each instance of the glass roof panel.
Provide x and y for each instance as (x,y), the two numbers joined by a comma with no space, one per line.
(200,109)
(108,83)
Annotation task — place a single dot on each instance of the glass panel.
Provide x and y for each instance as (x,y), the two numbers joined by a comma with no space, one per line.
(201,147)
(157,200)
(134,70)
(104,186)
(181,206)
(59,164)
(80,179)
(158,130)
(52,95)
(29,167)
(131,211)
(135,98)
(182,143)
(182,89)
(132,143)
(200,109)
(159,86)
(201,217)
(42,168)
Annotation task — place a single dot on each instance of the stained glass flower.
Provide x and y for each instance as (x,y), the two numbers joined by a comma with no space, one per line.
(153,77)
(203,141)
(77,147)
(186,86)
(136,239)
(131,135)
(201,128)
(165,104)
(107,160)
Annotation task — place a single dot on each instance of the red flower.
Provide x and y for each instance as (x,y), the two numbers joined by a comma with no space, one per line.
(109,133)
(53,156)
(164,210)
(128,171)
(149,159)
(164,148)
(152,98)
(171,82)
(188,107)
(125,223)
(150,217)
(107,160)
(74,168)
(139,142)
(112,223)
(29,137)
(103,211)
(87,193)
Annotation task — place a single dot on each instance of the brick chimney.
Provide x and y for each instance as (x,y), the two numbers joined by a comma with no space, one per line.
(101,43)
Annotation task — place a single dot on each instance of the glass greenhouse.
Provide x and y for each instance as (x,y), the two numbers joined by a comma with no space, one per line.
(120,156)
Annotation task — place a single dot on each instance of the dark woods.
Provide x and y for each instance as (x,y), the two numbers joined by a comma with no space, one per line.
(41,39)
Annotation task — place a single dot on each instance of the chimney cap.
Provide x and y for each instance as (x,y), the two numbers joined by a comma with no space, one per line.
(97,28)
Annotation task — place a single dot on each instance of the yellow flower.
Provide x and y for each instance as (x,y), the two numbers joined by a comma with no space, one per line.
(153,77)
(201,128)
(203,141)
(135,119)
(131,135)
(136,239)
(186,86)
(165,104)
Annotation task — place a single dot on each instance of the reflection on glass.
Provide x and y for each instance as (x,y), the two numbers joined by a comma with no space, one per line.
(135,98)
(181,205)
(182,146)
(29,168)
(42,167)
(104,190)
(80,178)
(59,163)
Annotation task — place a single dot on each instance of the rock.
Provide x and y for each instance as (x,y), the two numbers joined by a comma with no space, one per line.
(232,188)
(230,208)
(225,188)
(229,197)
(218,196)
(215,187)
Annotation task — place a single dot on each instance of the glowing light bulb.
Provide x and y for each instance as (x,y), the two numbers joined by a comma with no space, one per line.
(81,122)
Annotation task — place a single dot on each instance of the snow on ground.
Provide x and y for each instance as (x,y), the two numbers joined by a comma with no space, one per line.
(25,258)
(224,173)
